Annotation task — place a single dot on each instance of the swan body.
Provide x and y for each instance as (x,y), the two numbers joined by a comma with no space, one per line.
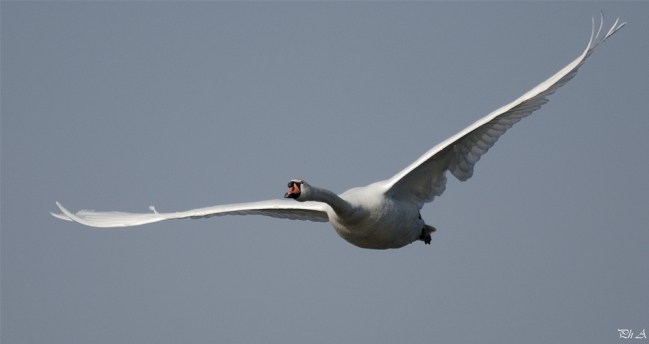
(367,217)
(384,214)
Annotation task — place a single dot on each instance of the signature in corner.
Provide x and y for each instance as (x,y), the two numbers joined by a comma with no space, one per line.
(628,334)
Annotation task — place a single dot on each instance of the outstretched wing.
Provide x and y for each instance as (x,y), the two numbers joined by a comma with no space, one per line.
(312,211)
(424,179)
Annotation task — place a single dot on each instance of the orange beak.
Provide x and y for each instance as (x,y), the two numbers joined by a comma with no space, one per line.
(293,191)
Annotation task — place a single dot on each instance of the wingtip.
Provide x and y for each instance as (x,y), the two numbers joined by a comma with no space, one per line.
(65,212)
(61,216)
(616,26)
(595,40)
(601,24)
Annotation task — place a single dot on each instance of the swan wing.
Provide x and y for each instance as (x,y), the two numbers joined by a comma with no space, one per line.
(312,211)
(424,179)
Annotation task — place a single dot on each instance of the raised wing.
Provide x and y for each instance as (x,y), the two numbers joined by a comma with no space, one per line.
(312,211)
(424,179)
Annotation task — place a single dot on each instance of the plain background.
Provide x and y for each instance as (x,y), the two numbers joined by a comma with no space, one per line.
(118,106)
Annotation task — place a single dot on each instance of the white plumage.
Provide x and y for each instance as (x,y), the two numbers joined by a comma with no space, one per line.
(384,214)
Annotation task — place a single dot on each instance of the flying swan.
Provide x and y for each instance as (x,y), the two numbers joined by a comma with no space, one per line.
(384,214)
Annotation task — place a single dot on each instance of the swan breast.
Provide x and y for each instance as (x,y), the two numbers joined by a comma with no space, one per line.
(378,221)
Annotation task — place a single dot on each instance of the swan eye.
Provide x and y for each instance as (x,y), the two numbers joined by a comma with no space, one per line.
(294,182)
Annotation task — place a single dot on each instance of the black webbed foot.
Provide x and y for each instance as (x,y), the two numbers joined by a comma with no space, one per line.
(425,236)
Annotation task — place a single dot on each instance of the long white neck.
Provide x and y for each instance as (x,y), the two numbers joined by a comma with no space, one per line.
(341,207)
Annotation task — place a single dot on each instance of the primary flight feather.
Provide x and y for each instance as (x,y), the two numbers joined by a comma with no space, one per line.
(384,214)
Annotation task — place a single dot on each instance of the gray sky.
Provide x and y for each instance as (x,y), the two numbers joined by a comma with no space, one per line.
(118,106)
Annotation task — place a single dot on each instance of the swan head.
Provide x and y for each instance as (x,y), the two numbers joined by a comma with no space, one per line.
(298,190)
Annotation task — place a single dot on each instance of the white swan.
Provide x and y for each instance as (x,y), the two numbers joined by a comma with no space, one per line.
(384,214)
